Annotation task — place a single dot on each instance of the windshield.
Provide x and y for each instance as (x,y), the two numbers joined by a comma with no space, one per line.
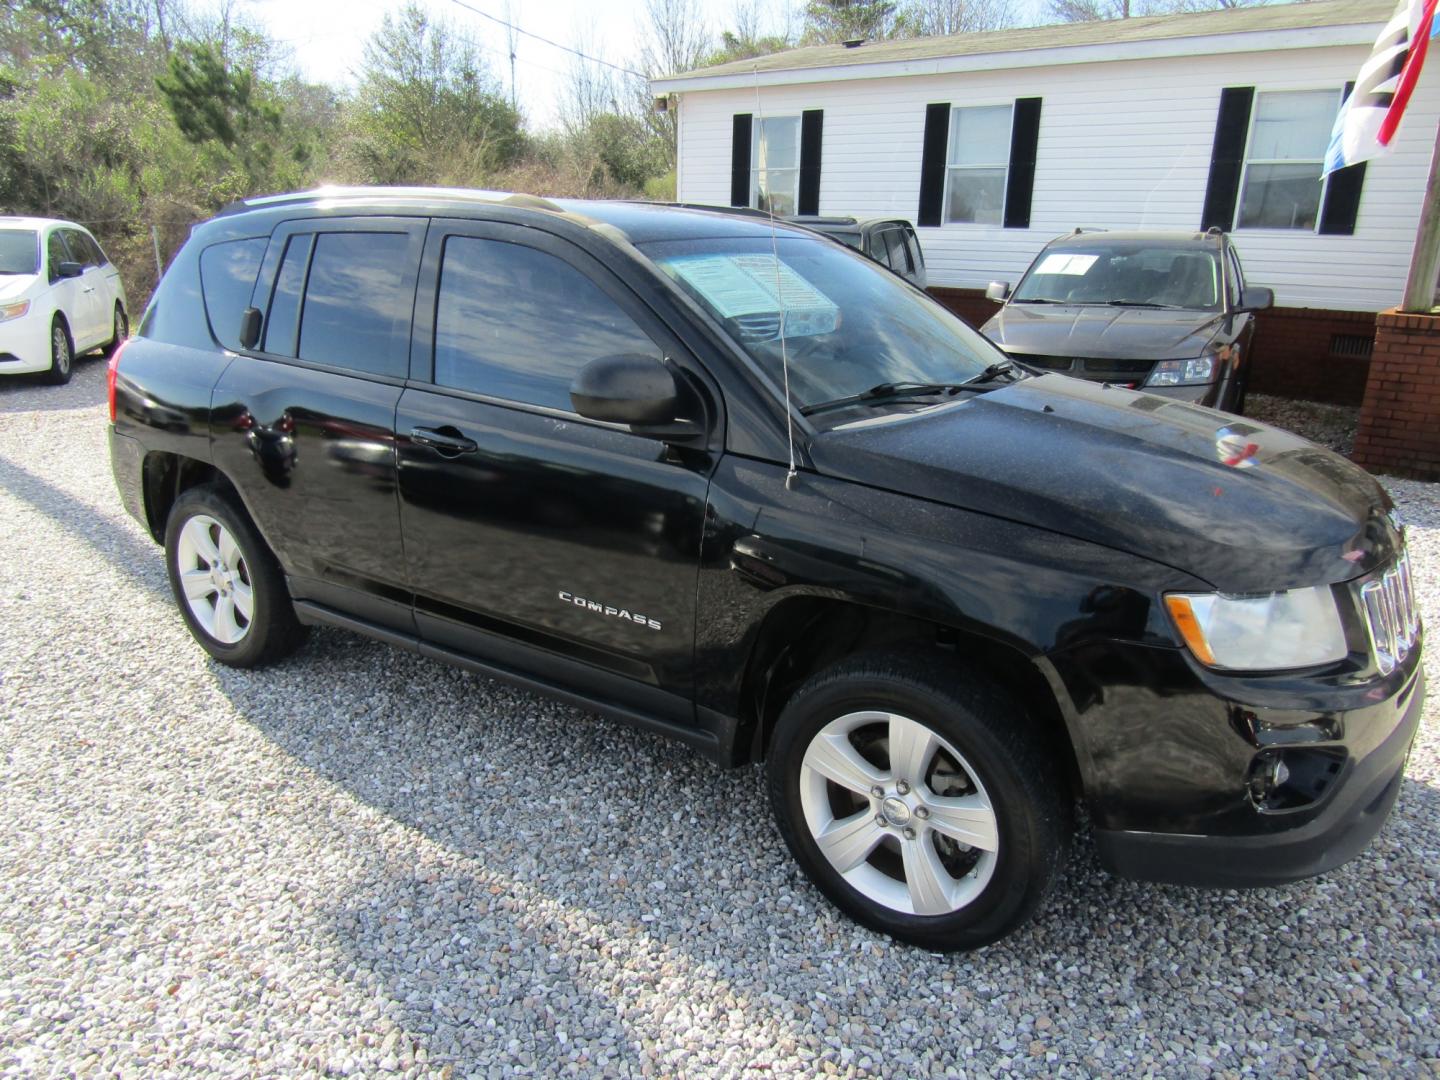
(19,251)
(1143,275)
(849,325)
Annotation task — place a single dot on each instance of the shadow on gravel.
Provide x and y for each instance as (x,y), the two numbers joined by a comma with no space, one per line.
(604,884)
(85,390)
(122,548)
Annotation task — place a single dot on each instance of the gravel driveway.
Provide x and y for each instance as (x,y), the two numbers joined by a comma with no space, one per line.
(362,862)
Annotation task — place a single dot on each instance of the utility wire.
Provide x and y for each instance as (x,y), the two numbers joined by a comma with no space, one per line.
(547,41)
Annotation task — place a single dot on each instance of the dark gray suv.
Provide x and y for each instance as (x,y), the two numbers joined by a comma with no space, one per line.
(1165,312)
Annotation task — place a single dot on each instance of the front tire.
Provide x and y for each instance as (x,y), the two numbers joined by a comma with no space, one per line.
(922,803)
(229,587)
(62,353)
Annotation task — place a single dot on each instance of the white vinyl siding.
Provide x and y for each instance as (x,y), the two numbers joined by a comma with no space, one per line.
(1282,186)
(1123,144)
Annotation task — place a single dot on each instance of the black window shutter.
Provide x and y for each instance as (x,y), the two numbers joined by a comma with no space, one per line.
(812,123)
(1342,195)
(1227,157)
(740,161)
(1020,182)
(932,164)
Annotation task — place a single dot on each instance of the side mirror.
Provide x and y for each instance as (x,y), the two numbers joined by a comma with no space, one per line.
(1257,298)
(627,389)
(69,269)
(250,327)
(999,291)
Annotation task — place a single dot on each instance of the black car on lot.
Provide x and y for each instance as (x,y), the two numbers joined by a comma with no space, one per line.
(1167,312)
(726,480)
(889,241)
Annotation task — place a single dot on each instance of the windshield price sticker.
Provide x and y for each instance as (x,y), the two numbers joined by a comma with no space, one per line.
(1061,263)
(746,285)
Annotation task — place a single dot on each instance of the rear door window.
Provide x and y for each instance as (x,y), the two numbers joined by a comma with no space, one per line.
(282,322)
(359,296)
(79,249)
(517,323)
(227,278)
(55,253)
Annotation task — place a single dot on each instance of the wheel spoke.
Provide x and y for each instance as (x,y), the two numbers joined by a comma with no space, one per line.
(966,819)
(833,757)
(229,551)
(198,534)
(196,583)
(849,841)
(926,878)
(244,600)
(912,745)
(226,628)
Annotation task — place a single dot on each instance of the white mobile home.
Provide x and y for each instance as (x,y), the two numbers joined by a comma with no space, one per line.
(994,143)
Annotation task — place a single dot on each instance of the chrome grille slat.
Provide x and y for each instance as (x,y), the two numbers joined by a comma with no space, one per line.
(1391,615)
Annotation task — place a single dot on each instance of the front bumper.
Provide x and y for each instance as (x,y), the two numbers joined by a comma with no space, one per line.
(1336,834)
(24,345)
(1171,758)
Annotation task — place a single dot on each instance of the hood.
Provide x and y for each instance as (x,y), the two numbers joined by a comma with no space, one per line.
(1118,332)
(1243,506)
(14,286)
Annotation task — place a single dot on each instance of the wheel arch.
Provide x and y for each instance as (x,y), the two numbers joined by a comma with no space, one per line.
(164,477)
(802,635)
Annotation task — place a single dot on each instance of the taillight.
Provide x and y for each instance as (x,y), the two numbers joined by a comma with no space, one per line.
(110,371)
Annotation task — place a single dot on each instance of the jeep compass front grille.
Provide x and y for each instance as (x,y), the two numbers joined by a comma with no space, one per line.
(1391,615)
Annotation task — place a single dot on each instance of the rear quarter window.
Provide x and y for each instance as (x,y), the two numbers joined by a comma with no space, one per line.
(227,278)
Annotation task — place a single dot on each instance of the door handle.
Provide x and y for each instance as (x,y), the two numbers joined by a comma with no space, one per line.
(88,288)
(447,440)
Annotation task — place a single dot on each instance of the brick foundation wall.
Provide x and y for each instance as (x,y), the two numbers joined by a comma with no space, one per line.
(1399,429)
(1308,353)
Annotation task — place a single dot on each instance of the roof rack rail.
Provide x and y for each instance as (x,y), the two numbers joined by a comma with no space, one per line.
(505,198)
(1079,230)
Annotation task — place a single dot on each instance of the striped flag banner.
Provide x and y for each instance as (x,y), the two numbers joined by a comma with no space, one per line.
(1369,116)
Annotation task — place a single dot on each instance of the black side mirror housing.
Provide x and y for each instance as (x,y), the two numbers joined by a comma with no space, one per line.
(68,269)
(250,327)
(1257,298)
(999,291)
(628,388)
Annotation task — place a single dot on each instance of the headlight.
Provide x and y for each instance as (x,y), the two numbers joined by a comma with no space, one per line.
(1294,629)
(1194,372)
(14,311)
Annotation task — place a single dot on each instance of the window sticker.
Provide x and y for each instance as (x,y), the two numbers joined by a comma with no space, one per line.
(745,288)
(1061,263)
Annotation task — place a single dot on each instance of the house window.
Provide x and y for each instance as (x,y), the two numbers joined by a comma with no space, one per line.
(775,164)
(1282,187)
(979,159)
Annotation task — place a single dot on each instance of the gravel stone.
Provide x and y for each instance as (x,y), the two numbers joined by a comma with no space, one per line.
(364,863)
(1332,426)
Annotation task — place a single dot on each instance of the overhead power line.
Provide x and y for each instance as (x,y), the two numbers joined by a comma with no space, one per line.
(547,41)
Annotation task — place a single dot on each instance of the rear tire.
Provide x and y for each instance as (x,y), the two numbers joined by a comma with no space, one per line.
(121,330)
(62,353)
(883,767)
(227,584)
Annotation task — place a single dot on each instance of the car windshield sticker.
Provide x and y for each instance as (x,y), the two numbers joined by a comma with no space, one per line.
(744,288)
(1061,263)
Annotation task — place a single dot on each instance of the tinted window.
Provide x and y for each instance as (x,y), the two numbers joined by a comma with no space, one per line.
(227,277)
(79,249)
(18,248)
(358,301)
(899,257)
(515,323)
(282,324)
(56,253)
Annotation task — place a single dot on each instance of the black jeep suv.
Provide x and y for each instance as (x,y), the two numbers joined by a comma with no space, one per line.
(730,481)
(1167,312)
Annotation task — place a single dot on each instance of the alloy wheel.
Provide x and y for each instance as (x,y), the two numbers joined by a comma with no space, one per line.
(899,813)
(215,579)
(60,350)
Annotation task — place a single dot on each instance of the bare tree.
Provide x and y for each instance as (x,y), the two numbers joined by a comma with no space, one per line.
(674,37)
(927,18)
(1095,10)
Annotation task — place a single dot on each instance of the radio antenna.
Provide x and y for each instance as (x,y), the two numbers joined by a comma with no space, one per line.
(779,296)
